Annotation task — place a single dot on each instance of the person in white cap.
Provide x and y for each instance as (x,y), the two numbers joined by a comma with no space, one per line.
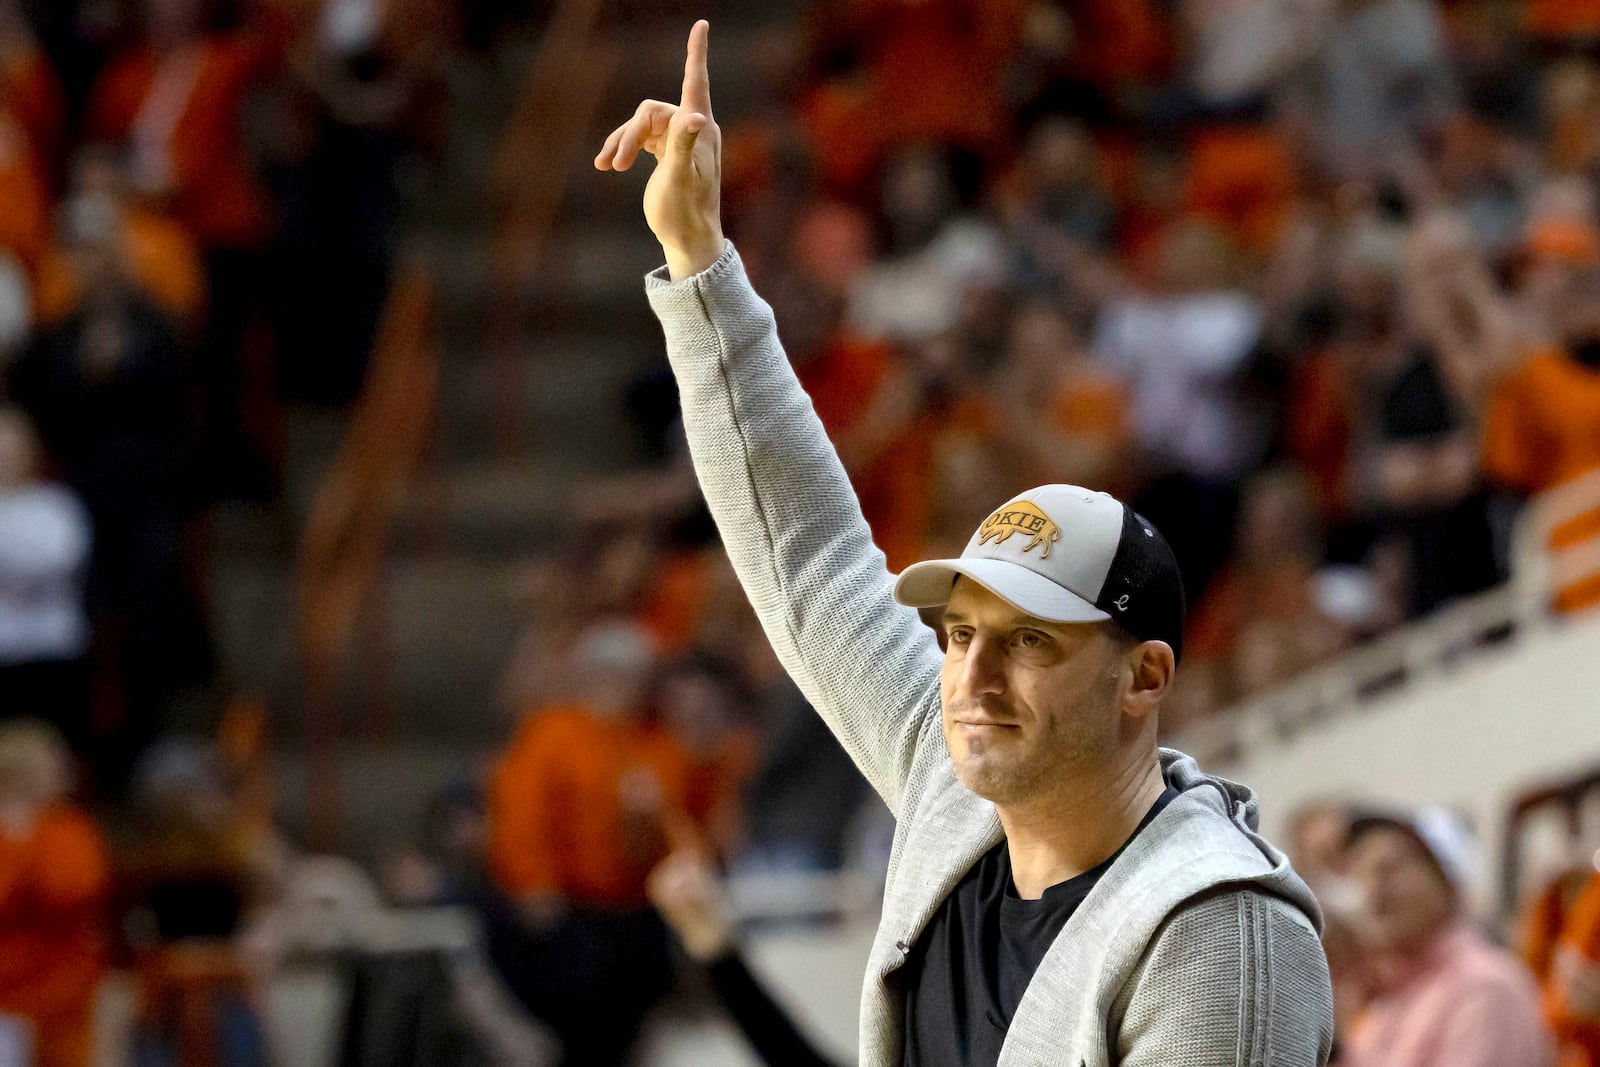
(1060,891)
(1445,997)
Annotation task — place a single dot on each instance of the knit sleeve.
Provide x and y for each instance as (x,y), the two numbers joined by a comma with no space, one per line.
(1232,979)
(793,527)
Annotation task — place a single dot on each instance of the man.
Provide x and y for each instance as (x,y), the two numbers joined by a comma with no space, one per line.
(576,810)
(1060,890)
(1444,996)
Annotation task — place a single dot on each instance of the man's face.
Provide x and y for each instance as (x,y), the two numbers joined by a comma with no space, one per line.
(1408,902)
(1026,702)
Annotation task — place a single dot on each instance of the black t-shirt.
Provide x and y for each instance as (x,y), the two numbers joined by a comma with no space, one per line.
(966,974)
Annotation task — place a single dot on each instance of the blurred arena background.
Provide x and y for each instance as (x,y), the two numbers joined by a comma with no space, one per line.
(363,646)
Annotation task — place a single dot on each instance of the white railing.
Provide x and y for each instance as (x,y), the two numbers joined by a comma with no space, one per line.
(1411,655)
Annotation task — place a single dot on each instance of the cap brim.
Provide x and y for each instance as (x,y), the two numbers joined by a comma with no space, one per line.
(928,585)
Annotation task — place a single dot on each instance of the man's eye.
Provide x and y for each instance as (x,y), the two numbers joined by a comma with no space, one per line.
(959,636)
(1030,639)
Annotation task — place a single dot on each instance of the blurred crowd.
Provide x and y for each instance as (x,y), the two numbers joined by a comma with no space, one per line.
(200,208)
(1315,284)
(1418,977)
(199,202)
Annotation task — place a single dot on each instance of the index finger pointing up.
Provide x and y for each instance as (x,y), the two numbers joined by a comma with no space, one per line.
(696,79)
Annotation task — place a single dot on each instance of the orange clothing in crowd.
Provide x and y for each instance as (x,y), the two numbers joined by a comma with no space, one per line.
(1562,18)
(966,41)
(1544,918)
(577,807)
(1243,179)
(54,885)
(160,258)
(181,114)
(1088,408)
(716,785)
(894,493)
(1319,430)
(898,489)
(1579,1035)
(1092,404)
(25,192)
(843,379)
(1542,430)
(33,96)
(1279,591)
(1117,41)
(844,382)
(676,601)
(893,103)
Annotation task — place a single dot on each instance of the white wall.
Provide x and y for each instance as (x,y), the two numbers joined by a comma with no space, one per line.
(1506,719)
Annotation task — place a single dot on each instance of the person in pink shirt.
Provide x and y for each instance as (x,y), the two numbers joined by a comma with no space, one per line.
(1443,995)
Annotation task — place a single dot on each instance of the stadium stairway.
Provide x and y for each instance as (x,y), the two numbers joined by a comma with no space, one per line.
(417,700)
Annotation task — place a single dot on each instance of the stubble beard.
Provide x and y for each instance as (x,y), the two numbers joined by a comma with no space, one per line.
(1068,746)
(1039,767)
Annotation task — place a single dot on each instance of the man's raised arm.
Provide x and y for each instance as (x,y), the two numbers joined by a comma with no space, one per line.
(782,501)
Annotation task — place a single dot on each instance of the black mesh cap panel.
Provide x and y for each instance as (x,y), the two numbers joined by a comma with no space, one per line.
(1144,590)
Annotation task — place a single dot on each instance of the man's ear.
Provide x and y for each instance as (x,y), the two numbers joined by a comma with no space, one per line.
(1152,665)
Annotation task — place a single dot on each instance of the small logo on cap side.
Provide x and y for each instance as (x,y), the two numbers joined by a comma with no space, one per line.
(1021,517)
(1121,602)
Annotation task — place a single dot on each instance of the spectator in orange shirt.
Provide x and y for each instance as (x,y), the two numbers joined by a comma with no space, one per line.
(176,100)
(159,257)
(702,701)
(675,601)
(24,190)
(54,886)
(1542,428)
(884,98)
(578,810)
(1572,1000)
(1242,177)
(1556,21)
(870,396)
(1063,413)
(1545,917)
(29,84)
(32,130)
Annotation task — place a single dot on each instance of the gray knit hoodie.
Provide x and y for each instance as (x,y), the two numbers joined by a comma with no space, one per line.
(1197,948)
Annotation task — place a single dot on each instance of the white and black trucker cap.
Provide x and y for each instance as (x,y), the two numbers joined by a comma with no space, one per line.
(1065,554)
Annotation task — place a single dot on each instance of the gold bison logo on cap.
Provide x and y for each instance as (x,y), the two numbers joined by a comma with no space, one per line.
(1024,518)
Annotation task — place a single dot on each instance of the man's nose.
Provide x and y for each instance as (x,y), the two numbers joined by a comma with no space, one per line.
(982,669)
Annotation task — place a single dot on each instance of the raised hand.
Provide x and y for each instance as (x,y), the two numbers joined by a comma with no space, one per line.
(686,892)
(682,201)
